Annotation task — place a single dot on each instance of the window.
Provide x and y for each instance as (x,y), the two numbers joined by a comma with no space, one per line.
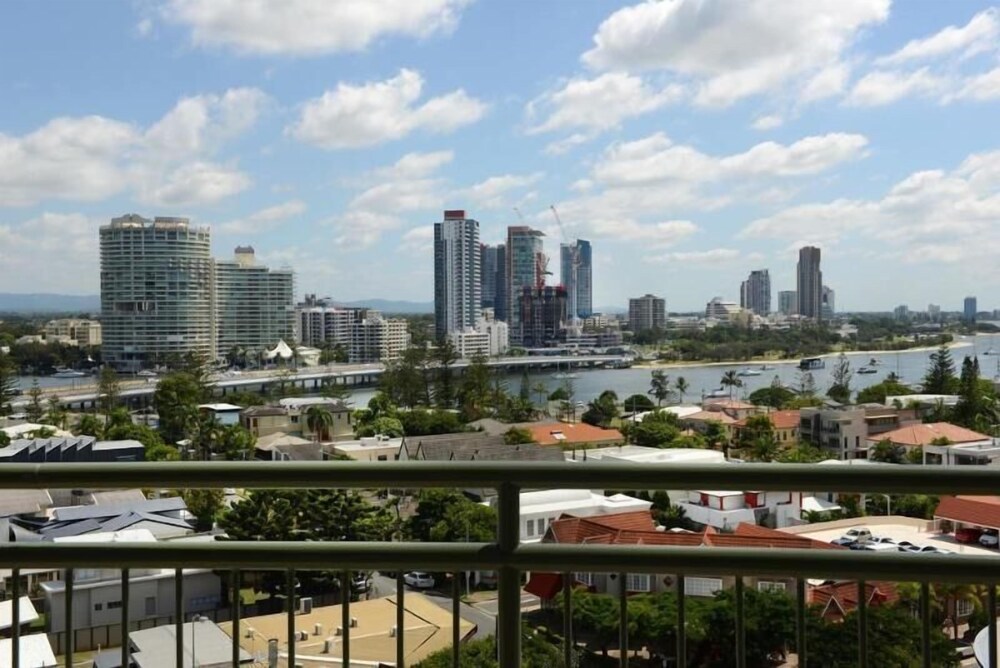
(531,528)
(702,586)
(585,578)
(767,585)
(383,458)
(114,605)
(637,582)
(98,606)
(965,607)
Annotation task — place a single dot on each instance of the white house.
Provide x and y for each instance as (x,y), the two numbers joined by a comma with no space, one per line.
(724,510)
(540,509)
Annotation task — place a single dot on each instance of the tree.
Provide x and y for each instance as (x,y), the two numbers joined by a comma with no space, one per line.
(8,383)
(445,355)
(447,514)
(977,403)
(940,376)
(681,385)
(807,384)
(536,652)
(34,410)
(659,386)
(731,379)
(888,452)
(539,390)
(390,427)
(232,441)
(877,394)
(89,425)
(108,390)
(657,430)
(775,397)
(517,436)
(769,624)
(638,403)
(755,427)
(55,413)
(840,390)
(205,505)
(474,391)
(800,453)
(319,421)
(716,437)
(176,400)
(602,410)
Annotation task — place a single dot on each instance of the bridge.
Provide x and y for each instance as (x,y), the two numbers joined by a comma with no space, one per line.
(312,379)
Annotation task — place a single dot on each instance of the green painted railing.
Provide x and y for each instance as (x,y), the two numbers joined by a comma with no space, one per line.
(506,555)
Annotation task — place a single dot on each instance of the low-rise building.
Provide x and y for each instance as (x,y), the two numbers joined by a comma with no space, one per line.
(224,414)
(488,338)
(540,509)
(941,442)
(71,450)
(784,423)
(80,332)
(725,510)
(290,417)
(373,449)
(575,435)
(844,430)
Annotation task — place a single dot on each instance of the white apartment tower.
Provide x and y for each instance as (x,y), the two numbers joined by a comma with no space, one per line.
(457,280)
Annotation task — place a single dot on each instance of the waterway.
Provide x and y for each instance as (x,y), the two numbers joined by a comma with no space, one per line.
(910,366)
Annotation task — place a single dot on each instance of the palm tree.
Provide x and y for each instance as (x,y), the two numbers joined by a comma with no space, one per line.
(730,379)
(540,391)
(319,420)
(681,385)
(659,386)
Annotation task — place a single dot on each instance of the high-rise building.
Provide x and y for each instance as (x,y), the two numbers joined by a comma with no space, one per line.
(719,309)
(934,312)
(788,302)
(969,309)
(809,283)
(647,312)
(828,303)
(254,305)
(493,279)
(157,291)
(755,292)
(901,312)
(457,297)
(578,280)
(525,266)
(363,334)
(542,315)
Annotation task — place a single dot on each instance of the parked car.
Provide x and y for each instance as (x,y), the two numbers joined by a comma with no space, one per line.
(859,535)
(905,545)
(419,580)
(968,535)
(361,582)
(922,549)
(883,540)
(878,547)
(989,538)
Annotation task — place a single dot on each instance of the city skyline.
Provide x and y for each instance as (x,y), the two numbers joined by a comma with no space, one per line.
(328,150)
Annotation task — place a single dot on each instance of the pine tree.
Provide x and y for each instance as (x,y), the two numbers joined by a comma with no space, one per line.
(940,377)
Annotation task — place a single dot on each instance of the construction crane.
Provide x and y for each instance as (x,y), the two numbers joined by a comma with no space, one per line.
(574,263)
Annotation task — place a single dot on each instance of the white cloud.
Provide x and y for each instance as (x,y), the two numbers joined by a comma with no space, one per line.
(598,104)
(961,206)
(27,250)
(144,27)
(361,229)
(415,165)
(982,87)
(768,122)
(355,116)
(979,34)
(656,158)
(565,145)
(92,158)
(732,49)
(418,241)
(828,82)
(195,183)
(493,192)
(712,256)
(887,86)
(264,218)
(307,27)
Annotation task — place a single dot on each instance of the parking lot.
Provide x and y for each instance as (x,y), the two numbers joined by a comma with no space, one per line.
(918,532)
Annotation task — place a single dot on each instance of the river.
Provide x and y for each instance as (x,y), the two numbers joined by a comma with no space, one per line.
(909,365)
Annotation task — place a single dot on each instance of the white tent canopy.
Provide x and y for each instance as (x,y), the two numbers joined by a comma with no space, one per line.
(281,350)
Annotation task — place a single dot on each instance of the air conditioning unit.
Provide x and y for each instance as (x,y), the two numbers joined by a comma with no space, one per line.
(354,622)
(303,635)
(339,631)
(318,630)
(305,605)
(392,631)
(328,645)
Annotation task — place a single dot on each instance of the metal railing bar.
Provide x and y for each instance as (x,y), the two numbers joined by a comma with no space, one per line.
(741,641)
(925,624)
(542,557)
(681,624)
(800,623)
(15,618)
(456,622)
(525,475)
(509,577)
(862,625)
(234,587)
(345,617)
(400,618)
(623,620)
(290,612)
(991,607)
(567,592)
(126,593)
(179,615)
(70,639)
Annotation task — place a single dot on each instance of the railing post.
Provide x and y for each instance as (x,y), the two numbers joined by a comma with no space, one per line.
(741,645)
(456,622)
(126,583)
(15,618)
(70,639)
(681,624)
(568,619)
(800,622)
(991,604)
(345,618)
(925,623)
(622,620)
(509,586)
(235,589)
(400,618)
(862,625)
(290,612)
(179,615)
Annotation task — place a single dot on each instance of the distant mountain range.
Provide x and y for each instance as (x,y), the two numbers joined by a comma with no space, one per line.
(391,305)
(48,303)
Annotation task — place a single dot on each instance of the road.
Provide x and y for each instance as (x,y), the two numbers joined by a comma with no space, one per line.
(483,615)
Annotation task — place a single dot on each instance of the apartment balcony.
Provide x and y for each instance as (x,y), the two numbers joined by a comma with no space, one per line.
(507,556)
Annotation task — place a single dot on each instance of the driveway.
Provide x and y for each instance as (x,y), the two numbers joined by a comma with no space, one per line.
(485,621)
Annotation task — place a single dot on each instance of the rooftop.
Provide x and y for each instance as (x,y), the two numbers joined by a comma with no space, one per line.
(579,433)
(155,647)
(925,433)
(981,511)
(35,651)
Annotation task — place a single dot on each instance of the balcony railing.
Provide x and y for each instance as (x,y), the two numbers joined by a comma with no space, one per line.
(506,556)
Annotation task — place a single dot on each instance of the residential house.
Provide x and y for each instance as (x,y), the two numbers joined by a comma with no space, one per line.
(784,423)
(224,414)
(372,449)
(699,421)
(71,449)
(575,435)
(844,431)
(978,512)
(724,510)
(290,417)
(942,443)
(540,509)
(203,643)
(735,408)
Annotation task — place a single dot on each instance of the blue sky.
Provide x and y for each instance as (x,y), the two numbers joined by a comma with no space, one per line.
(690,140)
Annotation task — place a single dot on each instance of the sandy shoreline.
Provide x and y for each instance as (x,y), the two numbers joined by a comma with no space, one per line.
(757,361)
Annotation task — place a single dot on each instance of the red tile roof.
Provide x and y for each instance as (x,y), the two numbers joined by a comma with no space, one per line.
(564,434)
(924,433)
(839,598)
(779,419)
(708,416)
(544,585)
(981,511)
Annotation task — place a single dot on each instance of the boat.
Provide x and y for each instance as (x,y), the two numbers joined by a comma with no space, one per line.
(63,372)
(874,362)
(766,367)
(718,394)
(867,370)
(749,372)
(991,351)
(810,363)
(565,375)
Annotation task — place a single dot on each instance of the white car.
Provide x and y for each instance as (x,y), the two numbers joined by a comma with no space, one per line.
(419,580)
(989,539)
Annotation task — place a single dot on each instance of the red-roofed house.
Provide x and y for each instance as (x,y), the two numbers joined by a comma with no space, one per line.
(631,529)
(784,423)
(836,599)
(981,512)
(575,435)
(960,446)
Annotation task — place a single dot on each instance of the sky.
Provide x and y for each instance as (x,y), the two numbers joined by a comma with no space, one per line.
(689,140)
